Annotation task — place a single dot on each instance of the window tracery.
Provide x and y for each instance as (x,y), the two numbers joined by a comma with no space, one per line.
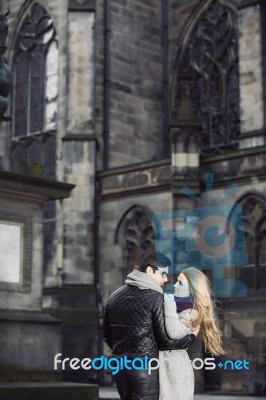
(136,236)
(35,74)
(211,59)
(254,214)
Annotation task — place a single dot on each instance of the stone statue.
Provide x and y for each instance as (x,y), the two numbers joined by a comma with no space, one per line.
(5,74)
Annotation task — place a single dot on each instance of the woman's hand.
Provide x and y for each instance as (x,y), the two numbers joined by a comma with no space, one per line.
(168,297)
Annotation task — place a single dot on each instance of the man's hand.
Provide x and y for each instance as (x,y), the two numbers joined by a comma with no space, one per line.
(196,330)
(168,297)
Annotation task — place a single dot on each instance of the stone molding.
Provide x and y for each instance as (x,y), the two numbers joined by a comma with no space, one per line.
(81,5)
(34,188)
(250,3)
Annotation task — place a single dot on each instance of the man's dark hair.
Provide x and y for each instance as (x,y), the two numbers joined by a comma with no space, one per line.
(154,260)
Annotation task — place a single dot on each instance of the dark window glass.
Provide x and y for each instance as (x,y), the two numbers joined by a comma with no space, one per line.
(136,236)
(21,94)
(254,212)
(34,152)
(36,90)
(50,158)
(35,51)
(139,238)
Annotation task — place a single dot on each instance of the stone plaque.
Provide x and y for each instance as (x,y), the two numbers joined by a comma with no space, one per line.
(15,251)
(11,252)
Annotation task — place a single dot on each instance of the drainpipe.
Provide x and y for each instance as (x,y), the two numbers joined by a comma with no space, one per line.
(165,78)
(106,84)
(97,269)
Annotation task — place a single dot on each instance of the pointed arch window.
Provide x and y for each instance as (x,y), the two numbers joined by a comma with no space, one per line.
(254,213)
(35,74)
(254,210)
(136,236)
(210,56)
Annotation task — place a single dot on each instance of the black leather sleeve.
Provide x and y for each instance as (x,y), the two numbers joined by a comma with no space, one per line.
(163,341)
(107,330)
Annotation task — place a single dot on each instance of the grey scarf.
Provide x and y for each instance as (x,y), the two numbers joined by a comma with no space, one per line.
(142,281)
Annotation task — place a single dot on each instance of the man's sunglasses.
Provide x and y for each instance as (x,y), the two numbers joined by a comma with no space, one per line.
(164,274)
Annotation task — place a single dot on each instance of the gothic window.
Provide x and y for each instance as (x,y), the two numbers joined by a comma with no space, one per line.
(34,107)
(211,59)
(254,212)
(35,74)
(136,236)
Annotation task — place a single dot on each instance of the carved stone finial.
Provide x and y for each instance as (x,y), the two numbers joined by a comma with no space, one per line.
(5,74)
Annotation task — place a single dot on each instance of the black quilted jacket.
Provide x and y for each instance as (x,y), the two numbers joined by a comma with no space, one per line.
(134,324)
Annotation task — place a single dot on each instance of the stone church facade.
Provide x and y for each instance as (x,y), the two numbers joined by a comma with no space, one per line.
(130,101)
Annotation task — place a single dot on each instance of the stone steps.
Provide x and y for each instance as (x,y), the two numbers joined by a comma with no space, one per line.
(48,391)
(111,394)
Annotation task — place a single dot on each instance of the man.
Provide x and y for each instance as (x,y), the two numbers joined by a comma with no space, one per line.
(134,326)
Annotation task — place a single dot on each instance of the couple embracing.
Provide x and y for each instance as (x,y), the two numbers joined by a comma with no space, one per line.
(142,322)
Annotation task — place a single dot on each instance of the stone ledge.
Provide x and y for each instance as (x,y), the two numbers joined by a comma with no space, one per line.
(85,5)
(108,393)
(22,185)
(27,316)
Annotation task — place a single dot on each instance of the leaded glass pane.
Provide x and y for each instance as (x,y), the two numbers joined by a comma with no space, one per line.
(139,238)
(233,103)
(254,212)
(50,158)
(35,152)
(18,157)
(52,60)
(21,95)
(37,12)
(36,90)
(51,114)
(51,85)
(51,88)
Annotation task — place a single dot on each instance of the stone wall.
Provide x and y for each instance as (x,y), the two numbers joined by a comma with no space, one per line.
(177,9)
(80,93)
(135,81)
(250,69)
(78,214)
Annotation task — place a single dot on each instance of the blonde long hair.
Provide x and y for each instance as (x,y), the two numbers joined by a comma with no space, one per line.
(199,287)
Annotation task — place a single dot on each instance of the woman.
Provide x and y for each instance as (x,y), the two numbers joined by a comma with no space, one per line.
(192,306)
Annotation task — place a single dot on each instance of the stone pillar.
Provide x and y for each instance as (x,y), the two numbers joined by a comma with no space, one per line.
(179,159)
(250,69)
(78,213)
(5,87)
(22,321)
(184,133)
(81,19)
(193,157)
